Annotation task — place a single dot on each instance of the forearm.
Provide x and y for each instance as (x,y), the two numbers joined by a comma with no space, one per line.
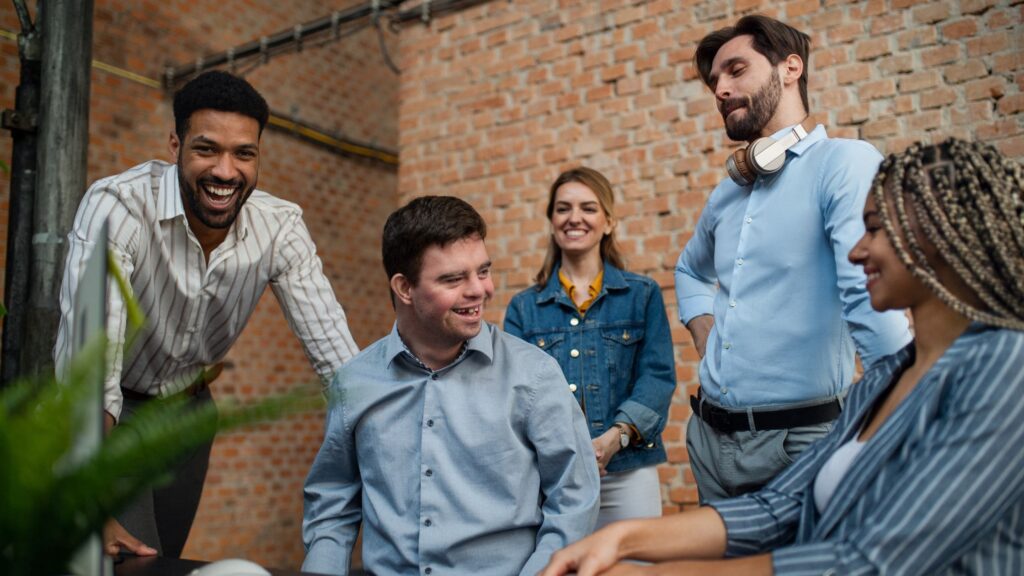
(760,565)
(696,534)
(700,328)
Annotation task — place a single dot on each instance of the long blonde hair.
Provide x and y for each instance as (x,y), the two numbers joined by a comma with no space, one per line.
(601,188)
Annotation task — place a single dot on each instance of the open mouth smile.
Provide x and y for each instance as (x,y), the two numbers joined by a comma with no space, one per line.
(471,312)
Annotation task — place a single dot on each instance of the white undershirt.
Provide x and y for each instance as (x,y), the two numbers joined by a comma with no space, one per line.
(832,473)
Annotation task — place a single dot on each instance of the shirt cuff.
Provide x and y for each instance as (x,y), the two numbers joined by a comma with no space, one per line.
(692,306)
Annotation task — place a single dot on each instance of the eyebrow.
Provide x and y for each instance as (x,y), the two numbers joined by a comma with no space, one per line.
(203,140)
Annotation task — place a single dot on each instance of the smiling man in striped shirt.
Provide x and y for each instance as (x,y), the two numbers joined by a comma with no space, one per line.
(199,244)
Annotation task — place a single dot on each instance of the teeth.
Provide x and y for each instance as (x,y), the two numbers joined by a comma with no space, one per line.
(468,310)
(575,233)
(220,191)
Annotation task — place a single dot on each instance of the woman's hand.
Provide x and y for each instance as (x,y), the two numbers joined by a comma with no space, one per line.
(605,446)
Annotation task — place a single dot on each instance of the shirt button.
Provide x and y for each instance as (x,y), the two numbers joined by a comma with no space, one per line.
(427,570)
(574,353)
(732,303)
(434,376)
(572,387)
(574,322)
(725,389)
(427,522)
(749,219)
(739,261)
(429,473)
(727,345)
(430,423)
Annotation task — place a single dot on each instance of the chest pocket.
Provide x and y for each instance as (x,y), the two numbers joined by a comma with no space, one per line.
(620,348)
(553,343)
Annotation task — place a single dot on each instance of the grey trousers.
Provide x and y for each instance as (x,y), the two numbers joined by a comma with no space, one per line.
(632,494)
(162,517)
(727,464)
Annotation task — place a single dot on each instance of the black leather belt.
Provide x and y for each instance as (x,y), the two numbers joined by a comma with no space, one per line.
(766,419)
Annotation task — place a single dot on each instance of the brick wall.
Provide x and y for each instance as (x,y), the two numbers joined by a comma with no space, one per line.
(493,102)
(497,100)
(252,504)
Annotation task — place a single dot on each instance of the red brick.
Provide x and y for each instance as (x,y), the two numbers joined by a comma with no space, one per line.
(960,29)
(957,73)
(931,13)
(918,81)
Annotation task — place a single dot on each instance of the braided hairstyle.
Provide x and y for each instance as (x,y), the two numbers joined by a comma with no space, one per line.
(967,201)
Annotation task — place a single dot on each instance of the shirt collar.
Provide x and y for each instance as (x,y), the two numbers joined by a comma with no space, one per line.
(613,280)
(482,343)
(169,202)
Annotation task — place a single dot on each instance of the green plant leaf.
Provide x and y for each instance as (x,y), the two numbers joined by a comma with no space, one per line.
(50,503)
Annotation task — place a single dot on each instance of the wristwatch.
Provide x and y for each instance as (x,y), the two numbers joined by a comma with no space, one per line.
(624,439)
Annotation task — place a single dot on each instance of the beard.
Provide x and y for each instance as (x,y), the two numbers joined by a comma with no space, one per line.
(760,109)
(217,220)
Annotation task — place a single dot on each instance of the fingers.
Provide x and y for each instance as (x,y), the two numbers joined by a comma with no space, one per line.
(116,539)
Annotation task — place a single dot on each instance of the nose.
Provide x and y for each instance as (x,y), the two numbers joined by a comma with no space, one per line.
(723,90)
(859,253)
(225,168)
(479,287)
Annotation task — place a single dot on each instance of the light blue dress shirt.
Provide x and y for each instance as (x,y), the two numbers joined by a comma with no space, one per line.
(482,467)
(789,307)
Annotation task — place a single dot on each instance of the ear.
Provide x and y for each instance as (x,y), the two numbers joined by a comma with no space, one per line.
(402,288)
(791,69)
(174,145)
(611,226)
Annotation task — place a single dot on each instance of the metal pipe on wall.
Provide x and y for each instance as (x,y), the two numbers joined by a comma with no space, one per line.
(22,121)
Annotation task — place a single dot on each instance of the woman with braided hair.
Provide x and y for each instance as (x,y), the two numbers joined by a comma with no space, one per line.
(922,473)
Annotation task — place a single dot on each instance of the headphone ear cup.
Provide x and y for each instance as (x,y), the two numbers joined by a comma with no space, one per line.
(772,164)
(739,168)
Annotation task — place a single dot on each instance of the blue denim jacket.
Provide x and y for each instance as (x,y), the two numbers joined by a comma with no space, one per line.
(617,358)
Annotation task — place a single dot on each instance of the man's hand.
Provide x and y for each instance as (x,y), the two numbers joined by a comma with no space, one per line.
(605,446)
(108,422)
(700,327)
(116,539)
(588,557)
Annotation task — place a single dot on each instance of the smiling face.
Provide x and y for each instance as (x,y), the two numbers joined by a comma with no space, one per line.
(578,221)
(445,307)
(889,283)
(748,89)
(218,164)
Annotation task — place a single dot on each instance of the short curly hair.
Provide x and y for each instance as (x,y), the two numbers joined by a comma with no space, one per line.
(218,90)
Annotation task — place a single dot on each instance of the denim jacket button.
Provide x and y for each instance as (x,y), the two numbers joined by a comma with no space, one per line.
(574,322)
(574,353)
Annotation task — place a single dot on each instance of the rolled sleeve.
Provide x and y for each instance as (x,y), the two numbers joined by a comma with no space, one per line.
(695,270)
(845,188)
(655,375)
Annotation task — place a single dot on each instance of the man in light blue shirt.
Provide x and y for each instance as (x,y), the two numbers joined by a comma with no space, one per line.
(777,336)
(458,446)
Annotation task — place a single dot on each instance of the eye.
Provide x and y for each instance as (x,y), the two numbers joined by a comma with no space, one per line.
(203,150)
(485,273)
(246,154)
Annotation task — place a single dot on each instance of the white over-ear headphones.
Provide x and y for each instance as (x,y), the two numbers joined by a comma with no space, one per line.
(762,156)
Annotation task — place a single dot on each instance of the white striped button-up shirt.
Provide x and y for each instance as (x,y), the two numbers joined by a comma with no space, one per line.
(195,310)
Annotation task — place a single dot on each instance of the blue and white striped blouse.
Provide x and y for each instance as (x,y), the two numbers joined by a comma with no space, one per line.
(939,489)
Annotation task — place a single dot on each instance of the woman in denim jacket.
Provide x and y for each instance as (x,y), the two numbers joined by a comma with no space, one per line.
(608,330)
